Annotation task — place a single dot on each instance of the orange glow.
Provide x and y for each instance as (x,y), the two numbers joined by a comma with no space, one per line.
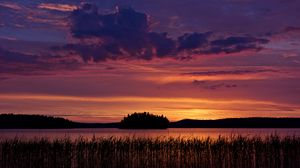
(111,109)
(126,99)
(59,7)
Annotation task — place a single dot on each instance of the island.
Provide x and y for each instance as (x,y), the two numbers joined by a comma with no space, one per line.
(144,120)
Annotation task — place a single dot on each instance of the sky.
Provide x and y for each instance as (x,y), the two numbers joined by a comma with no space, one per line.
(97,61)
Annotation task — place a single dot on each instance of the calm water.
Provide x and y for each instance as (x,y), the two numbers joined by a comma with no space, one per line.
(171,132)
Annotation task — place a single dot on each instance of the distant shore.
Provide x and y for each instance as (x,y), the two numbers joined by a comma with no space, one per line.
(13,121)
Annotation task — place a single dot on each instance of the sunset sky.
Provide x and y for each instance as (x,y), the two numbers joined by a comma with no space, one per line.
(98,60)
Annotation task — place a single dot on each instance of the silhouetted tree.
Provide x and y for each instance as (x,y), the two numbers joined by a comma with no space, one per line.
(33,121)
(144,120)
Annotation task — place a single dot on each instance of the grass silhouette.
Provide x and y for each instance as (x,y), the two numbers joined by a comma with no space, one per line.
(234,152)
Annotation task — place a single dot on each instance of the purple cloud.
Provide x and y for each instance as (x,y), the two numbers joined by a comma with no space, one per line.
(22,63)
(126,34)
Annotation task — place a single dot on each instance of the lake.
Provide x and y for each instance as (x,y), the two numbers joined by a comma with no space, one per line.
(171,132)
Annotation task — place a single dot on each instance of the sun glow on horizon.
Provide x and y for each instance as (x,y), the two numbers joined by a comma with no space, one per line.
(100,109)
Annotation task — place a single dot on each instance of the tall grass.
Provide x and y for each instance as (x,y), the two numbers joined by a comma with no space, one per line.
(236,152)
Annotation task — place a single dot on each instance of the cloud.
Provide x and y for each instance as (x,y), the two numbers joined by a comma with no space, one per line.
(88,22)
(57,7)
(163,45)
(213,85)
(15,57)
(291,29)
(123,33)
(126,34)
(230,41)
(235,44)
(18,63)
(284,33)
(192,40)
(229,72)
(30,64)
(90,52)
(10,5)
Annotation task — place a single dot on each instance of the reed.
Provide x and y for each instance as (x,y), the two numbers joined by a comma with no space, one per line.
(234,152)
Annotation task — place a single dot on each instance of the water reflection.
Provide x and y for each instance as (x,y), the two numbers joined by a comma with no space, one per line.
(171,132)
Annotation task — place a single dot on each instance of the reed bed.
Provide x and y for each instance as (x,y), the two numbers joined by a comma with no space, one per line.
(113,152)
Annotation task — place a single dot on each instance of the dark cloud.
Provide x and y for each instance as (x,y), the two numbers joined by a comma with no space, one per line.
(125,34)
(89,52)
(85,22)
(192,40)
(230,41)
(123,23)
(162,43)
(213,85)
(235,44)
(229,72)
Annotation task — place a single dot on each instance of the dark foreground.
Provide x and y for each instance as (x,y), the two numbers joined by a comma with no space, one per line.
(239,152)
